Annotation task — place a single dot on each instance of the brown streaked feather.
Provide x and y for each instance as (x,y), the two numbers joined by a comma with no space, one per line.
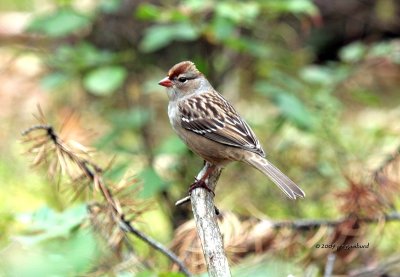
(221,124)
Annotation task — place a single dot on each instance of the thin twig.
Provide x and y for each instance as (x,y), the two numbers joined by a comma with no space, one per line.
(311,224)
(182,201)
(156,245)
(390,159)
(186,199)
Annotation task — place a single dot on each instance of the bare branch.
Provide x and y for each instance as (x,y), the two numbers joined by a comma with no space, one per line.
(207,226)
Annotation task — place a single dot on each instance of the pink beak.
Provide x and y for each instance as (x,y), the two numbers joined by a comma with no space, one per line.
(166,82)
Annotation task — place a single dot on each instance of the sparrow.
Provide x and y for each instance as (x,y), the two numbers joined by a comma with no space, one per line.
(212,128)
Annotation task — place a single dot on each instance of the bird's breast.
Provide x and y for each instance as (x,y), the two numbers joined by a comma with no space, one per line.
(173,114)
(175,120)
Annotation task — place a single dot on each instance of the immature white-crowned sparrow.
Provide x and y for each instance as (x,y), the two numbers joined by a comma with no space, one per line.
(212,128)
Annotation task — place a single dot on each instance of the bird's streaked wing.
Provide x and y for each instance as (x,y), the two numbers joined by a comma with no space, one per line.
(211,116)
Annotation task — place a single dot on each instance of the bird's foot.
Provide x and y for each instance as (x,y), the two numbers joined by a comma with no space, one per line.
(200,184)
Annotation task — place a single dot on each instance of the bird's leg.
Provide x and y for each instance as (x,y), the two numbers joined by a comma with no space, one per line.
(202,182)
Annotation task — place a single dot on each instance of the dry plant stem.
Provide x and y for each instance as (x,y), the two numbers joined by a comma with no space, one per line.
(94,173)
(207,226)
(329,265)
(390,159)
(182,201)
(310,224)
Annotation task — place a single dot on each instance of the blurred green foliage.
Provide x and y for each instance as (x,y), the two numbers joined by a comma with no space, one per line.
(52,244)
(62,22)
(104,62)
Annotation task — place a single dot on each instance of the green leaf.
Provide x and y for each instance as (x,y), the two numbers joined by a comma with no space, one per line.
(110,6)
(301,6)
(147,12)
(73,256)
(286,80)
(132,119)
(365,97)
(80,58)
(47,224)
(62,22)
(353,52)
(54,80)
(171,274)
(105,80)
(268,89)
(249,46)
(159,36)
(199,5)
(177,16)
(117,171)
(290,6)
(107,139)
(317,75)
(383,49)
(146,274)
(172,145)
(152,183)
(238,11)
(294,110)
(223,28)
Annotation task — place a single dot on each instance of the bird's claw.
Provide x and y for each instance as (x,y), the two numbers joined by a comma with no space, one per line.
(200,184)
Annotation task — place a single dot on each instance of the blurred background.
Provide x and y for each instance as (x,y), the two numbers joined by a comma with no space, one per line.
(318,81)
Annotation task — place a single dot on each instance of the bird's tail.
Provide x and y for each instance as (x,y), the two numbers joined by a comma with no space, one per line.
(276,176)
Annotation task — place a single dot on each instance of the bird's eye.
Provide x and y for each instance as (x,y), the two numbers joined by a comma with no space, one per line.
(182,79)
